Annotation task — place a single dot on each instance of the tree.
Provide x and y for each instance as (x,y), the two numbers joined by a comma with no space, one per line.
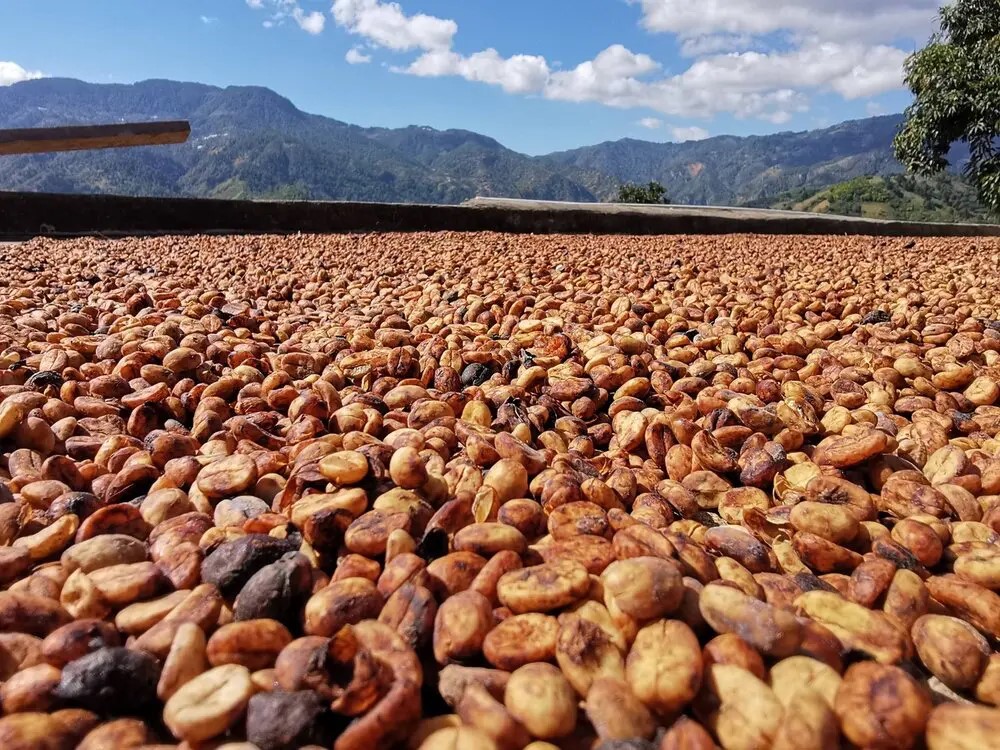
(654,192)
(955,81)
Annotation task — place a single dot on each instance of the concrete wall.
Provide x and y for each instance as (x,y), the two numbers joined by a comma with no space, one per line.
(25,215)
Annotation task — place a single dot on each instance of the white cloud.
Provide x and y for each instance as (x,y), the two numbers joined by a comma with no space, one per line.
(612,78)
(761,59)
(692,133)
(356,57)
(386,25)
(207,20)
(312,22)
(851,69)
(11,73)
(651,123)
(769,86)
(845,20)
(520,74)
(708,44)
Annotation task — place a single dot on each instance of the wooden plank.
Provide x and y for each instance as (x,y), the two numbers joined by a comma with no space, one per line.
(84,137)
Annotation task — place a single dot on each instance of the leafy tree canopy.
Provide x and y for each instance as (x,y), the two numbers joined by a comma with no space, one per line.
(955,81)
(654,192)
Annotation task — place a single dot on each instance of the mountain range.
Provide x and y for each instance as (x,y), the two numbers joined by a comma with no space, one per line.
(250,142)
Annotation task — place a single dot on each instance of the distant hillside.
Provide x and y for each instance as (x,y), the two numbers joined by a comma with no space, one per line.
(946,197)
(727,170)
(249,142)
(493,169)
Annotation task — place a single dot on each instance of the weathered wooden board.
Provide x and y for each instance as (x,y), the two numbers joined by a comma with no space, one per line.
(84,137)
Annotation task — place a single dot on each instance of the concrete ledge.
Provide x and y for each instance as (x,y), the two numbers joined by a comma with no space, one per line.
(25,215)
(769,221)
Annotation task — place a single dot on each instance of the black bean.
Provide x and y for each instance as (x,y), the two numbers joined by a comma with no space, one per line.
(111,681)
(232,564)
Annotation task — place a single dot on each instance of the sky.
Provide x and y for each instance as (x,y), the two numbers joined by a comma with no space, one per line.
(537,75)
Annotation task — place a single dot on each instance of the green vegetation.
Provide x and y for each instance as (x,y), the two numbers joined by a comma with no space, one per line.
(903,197)
(654,192)
(859,190)
(955,81)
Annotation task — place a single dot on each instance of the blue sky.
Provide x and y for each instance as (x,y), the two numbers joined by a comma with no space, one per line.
(537,75)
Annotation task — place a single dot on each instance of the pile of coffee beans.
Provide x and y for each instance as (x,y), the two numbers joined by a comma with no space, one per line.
(493,492)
